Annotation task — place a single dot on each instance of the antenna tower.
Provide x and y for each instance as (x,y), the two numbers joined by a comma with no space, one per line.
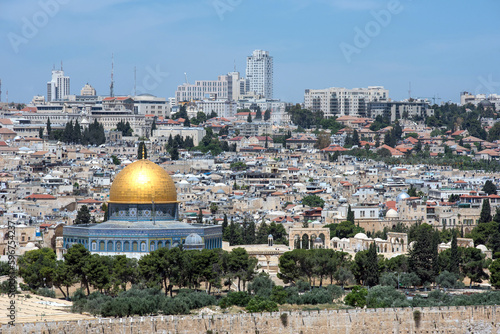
(111,86)
(135,81)
(0,90)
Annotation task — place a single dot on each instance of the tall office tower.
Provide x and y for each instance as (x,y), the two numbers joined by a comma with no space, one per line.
(260,73)
(58,87)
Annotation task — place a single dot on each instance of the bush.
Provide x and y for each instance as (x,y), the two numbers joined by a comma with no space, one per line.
(449,280)
(240,298)
(335,291)
(46,292)
(357,297)
(261,286)
(171,306)
(303,286)
(259,304)
(417,316)
(279,295)
(316,296)
(196,299)
(389,279)
(284,319)
(384,296)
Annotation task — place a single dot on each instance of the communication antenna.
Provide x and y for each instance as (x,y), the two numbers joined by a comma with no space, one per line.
(111,86)
(135,81)
(0,90)
(61,66)
(409,91)
(186,76)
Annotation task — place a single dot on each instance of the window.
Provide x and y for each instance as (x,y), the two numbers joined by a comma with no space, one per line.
(94,245)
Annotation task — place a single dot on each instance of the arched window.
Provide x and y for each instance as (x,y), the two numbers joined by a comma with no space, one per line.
(101,246)
(94,245)
(118,246)
(126,246)
(143,246)
(134,246)
(110,246)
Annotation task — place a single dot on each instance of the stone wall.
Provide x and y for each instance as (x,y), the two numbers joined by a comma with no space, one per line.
(472,319)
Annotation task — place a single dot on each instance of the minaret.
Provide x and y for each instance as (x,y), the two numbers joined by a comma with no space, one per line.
(111,86)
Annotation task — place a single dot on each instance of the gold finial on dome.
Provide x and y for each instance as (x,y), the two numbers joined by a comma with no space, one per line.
(143,182)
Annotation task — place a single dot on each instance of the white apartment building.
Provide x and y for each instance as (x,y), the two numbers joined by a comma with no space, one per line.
(395,110)
(343,101)
(162,133)
(147,104)
(223,108)
(259,73)
(220,89)
(276,107)
(58,87)
(492,99)
(240,86)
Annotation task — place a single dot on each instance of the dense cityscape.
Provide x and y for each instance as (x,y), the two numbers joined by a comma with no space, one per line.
(223,207)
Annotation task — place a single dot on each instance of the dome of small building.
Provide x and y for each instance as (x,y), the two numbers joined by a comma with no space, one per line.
(270,236)
(486,103)
(391,214)
(402,196)
(483,248)
(318,240)
(360,236)
(193,239)
(143,182)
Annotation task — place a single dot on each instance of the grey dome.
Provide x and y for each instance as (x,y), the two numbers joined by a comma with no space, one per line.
(193,239)
(402,196)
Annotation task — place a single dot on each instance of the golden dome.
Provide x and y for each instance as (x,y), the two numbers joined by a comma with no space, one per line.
(143,182)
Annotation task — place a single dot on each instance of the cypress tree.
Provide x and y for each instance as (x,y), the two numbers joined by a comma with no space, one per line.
(485,216)
(350,214)
(372,271)
(454,265)
(49,127)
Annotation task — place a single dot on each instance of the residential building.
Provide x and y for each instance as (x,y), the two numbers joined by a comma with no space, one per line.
(259,73)
(147,104)
(221,89)
(343,101)
(396,110)
(58,87)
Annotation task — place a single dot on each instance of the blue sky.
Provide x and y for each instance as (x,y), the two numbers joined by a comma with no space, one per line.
(442,47)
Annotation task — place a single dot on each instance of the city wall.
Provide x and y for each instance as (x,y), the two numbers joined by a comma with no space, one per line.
(471,319)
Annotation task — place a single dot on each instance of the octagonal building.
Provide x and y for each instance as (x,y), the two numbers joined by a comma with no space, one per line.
(143,216)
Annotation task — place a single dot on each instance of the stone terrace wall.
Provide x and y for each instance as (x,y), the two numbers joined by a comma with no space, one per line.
(471,319)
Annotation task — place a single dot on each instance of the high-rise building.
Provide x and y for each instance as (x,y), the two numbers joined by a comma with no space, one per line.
(260,73)
(88,90)
(342,101)
(58,87)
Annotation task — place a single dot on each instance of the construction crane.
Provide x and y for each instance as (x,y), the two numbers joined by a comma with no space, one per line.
(434,98)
